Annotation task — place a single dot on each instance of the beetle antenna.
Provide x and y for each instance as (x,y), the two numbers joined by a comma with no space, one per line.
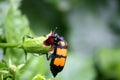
(55,29)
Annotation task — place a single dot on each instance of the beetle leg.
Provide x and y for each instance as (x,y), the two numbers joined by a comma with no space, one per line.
(48,57)
(27,37)
(23,41)
(25,55)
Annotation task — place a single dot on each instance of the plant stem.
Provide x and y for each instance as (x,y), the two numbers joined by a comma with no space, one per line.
(9,45)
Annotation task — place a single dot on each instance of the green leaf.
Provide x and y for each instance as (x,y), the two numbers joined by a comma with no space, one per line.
(16,26)
(2,65)
(3,10)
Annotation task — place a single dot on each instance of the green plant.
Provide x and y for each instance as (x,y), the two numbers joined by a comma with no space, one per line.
(14,43)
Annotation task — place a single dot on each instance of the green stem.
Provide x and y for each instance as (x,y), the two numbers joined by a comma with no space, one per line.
(9,45)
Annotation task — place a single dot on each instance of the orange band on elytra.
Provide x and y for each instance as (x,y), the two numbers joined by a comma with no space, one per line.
(62,43)
(62,52)
(59,61)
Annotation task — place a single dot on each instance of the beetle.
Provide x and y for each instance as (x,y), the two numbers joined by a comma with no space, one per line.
(59,52)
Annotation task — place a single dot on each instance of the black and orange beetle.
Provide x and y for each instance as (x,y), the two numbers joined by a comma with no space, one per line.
(59,55)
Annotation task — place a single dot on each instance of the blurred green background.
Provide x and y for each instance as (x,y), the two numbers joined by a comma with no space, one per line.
(91,27)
